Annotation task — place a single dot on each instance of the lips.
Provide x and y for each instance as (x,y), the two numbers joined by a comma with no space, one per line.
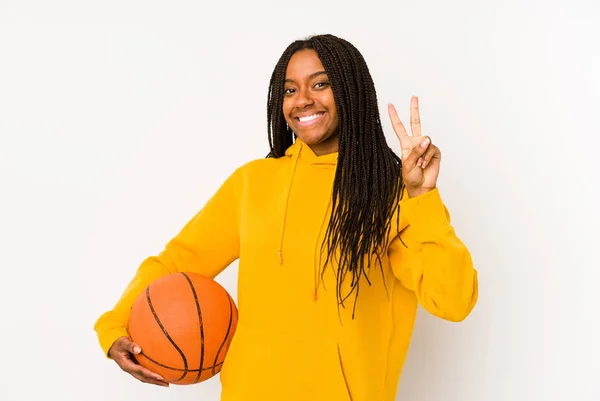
(309,119)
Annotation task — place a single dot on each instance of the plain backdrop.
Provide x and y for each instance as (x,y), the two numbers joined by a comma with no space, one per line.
(119,119)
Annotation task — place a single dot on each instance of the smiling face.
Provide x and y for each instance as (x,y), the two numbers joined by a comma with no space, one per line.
(308,104)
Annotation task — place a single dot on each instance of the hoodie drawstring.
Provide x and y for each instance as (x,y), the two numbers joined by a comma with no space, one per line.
(317,247)
(317,260)
(287,199)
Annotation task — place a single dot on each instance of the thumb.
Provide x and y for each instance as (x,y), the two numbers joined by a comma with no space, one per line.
(124,344)
(134,348)
(417,152)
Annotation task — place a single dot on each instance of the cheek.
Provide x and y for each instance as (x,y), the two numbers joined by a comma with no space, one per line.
(330,102)
(332,109)
(285,109)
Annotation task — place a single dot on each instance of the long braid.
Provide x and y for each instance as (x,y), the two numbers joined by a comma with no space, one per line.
(368,179)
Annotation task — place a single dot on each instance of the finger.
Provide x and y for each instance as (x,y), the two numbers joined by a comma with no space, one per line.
(149,380)
(396,123)
(130,365)
(415,119)
(432,150)
(124,345)
(150,375)
(418,151)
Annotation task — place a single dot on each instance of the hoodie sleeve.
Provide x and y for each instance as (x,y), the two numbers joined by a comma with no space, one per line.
(207,244)
(429,259)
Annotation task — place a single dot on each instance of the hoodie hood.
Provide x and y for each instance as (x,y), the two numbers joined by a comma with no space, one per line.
(301,150)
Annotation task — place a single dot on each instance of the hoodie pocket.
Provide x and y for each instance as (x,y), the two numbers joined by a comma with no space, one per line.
(267,366)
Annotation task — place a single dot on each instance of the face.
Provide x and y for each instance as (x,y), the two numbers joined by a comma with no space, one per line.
(308,105)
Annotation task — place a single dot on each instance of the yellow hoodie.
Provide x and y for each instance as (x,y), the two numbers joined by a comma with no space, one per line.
(292,342)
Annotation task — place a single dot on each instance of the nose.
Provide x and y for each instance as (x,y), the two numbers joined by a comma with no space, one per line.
(304,99)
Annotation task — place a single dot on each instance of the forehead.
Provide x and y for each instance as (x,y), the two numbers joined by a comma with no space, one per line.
(303,63)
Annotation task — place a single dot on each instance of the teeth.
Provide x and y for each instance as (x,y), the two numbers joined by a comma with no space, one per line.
(309,118)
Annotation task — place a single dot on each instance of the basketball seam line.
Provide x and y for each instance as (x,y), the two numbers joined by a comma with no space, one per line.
(201,322)
(179,369)
(226,334)
(185,364)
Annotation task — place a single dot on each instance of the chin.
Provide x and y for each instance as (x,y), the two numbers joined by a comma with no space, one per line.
(311,140)
(314,139)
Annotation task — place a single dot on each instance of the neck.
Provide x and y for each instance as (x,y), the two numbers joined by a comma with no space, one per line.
(328,146)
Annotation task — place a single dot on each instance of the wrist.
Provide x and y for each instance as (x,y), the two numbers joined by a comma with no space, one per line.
(414,192)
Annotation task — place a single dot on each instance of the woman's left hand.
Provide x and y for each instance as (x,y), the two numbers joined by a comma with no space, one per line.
(420,157)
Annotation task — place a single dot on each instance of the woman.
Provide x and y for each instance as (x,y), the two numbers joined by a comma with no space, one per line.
(338,241)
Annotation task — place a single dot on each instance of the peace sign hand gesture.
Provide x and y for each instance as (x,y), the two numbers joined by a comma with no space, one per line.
(420,158)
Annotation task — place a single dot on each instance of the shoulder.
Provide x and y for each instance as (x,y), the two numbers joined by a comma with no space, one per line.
(260,168)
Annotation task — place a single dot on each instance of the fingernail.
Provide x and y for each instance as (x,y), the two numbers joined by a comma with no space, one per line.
(159,377)
(425,142)
(137,350)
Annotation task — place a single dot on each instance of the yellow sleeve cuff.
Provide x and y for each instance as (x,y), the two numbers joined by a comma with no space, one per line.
(426,214)
(108,332)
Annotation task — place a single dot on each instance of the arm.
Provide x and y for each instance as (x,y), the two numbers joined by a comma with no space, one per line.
(207,244)
(429,259)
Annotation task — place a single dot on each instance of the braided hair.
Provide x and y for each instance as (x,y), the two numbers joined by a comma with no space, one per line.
(368,179)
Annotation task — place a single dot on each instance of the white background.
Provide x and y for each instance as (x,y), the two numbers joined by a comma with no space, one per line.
(118,119)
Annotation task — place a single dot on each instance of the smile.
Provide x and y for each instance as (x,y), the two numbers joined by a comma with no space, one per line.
(309,120)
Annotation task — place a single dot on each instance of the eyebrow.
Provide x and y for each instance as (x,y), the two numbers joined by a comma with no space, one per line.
(311,76)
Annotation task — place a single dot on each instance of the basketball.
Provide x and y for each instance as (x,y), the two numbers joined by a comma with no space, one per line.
(184,323)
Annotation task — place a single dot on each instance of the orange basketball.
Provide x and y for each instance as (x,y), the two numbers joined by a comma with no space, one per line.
(184,323)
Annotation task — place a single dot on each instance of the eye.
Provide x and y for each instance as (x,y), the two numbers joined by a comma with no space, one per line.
(321,85)
(288,91)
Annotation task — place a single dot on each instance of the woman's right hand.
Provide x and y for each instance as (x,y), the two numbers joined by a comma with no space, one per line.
(123,352)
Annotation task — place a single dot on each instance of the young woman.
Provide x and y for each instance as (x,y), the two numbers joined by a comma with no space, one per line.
(338,241)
